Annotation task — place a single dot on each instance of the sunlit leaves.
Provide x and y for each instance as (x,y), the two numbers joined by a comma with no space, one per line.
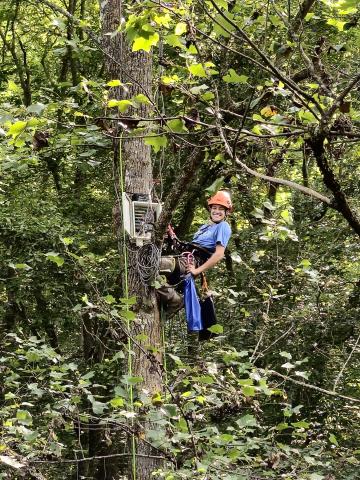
(216,329)
(177,125)
(336,23)
(55,258)
(24,417)
(197,70)
(123,105)
(174,41)
(233,77)
(142,43)
(180,28)
(114,83)
(156,141)
(222,26)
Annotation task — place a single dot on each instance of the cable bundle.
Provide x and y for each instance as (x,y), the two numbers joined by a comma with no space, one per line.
(147,262)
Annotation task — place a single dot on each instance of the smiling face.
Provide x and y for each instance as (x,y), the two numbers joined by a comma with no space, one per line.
(217,213)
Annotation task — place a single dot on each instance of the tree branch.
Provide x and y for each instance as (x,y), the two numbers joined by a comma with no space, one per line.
(280,181)
(300,94)
(301,14)
(340,202)
(330,393)
(338,100)
(178,190)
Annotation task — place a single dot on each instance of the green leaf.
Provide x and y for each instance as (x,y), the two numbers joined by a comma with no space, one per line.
(269,205)
(221,26)
(128,315)
(215,186)
(117,402)
(142,99)
(197,70)
(129,380)
(35,390)
(128,301)
(24,417)
(36,108)
(306,116)
(109,299)
(145,44)
(233,77)
(67,240)
(177,125)
(288,365)
(55,258)
(305,263)
(123,105)
(333,439)
(170,410)
(163,19)
(174,41)
(247,421)
(157,142)
(88,375)
(180,28)
(301,424)
(286,215)
(17,128)
(22,266)
(205,379)
(246,381)
(207,96)
(336,23)
(114,83)
(198,89)
(97,407)
(286,355)
(248,391)
(309,16)
(216,328)
(282,426)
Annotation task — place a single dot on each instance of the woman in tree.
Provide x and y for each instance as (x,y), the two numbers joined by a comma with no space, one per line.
(207,248)
(213,236)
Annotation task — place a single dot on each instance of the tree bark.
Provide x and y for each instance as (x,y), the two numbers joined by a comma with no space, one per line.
(340,202)
(136,67)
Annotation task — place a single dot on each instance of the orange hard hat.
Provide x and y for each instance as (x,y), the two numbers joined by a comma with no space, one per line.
(221,198)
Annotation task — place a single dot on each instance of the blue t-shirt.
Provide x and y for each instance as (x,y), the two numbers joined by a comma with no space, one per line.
(210,235)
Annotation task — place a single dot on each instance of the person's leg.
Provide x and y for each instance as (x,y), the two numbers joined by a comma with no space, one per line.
(171,300)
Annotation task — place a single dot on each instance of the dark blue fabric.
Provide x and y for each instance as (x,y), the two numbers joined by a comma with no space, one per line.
(192,305)
(212,234)
(208,316)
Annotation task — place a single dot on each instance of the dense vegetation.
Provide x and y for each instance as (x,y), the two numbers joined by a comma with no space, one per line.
(258,97)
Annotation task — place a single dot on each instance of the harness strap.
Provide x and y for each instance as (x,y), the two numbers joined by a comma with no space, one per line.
(204,284)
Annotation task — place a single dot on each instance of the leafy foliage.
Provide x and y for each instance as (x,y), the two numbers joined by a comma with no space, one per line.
(265,85)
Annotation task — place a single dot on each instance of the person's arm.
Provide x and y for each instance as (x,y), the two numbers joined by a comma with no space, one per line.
(213,260)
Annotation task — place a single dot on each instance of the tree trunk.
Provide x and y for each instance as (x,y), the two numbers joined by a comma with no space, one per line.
(135,68)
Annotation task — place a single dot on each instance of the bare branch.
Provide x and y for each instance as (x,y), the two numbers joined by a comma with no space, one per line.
(347,361)
(301,14)
(307,191)
(330,393)
(338,100)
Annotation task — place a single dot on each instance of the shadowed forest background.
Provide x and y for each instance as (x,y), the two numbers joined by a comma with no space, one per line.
(177,100)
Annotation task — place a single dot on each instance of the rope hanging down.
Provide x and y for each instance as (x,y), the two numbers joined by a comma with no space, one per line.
(126,292)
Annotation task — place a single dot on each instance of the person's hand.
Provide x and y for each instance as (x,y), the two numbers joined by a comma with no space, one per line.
(190,268)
